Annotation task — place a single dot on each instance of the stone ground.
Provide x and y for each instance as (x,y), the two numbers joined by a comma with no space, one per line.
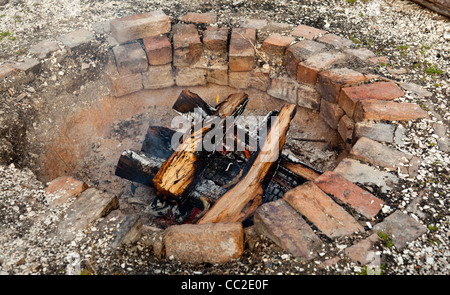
(416,42)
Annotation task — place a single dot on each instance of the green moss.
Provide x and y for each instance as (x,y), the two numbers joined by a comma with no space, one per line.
(385,239)
(433,70)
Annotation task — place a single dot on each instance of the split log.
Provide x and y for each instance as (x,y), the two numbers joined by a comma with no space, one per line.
(242,200)
(157,142)
(179,173)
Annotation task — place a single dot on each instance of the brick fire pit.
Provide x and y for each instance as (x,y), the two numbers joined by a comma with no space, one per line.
(318,71)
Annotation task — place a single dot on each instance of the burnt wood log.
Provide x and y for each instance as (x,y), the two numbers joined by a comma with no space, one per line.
(242,200)
(138,167)
(179,173)
(157,142)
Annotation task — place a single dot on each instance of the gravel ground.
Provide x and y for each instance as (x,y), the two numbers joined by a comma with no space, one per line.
(416,42)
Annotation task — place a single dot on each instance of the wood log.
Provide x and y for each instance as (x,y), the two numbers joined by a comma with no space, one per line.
(138,167)
(179,173)
(188,101)
(439,6)
(157,142)
(242,200)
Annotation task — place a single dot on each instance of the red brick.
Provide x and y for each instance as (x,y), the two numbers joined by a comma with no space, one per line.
(377,110)
(345,129)
(216,39)
(64,188)
(335,40)
(330,218)
(187,46)
(307,32)
(276,44)
(200,18)
(299,52)
(242,50)
(282,224)
(348,193)
(308,70)
(329,82)
(140,26)
(349,96)
(205,243)
(331,113)
(363,251)
(122,85)
(6,70)
(130,58)
(158,49)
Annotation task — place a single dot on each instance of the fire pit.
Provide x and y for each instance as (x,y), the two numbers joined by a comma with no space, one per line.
(311,91)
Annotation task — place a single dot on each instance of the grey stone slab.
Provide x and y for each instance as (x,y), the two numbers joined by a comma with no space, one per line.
(357,172)
(401,228)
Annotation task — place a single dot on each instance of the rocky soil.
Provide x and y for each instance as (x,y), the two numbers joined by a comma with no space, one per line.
(416,43)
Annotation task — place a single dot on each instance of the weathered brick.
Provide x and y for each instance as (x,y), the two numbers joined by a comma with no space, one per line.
(376,153)
(43,49)
(308,97)
(330,218)
(283,88)
(307,32)
(200,18)
(329,82)
(217,76)
(140,26)
(190,77)
(379,60)
(76,38)
(361,53)
(363,251)
(242,51)
(335,40)
(257,24)
(345,129)
(27,65)
(401,228)
(187,47)
(122,85)
(130,58)
(377,131)
(205,243)
(282,224)
(62,189)
(308,70)
(158,77)
(299,52)
(215,39)
(349,96)
(276,44)
(256,78)
(348,193)
(91,205)
(158,49)
(357,172)
(331,113)
(377,110)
